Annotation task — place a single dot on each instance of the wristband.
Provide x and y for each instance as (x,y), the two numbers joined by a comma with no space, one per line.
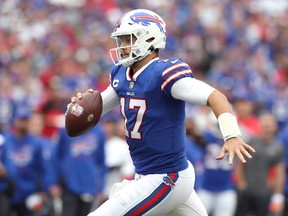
(228,126)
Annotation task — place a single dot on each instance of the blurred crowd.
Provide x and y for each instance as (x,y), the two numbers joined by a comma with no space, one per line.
(51,49)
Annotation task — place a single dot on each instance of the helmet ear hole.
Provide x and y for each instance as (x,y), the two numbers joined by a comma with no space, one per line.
(150,40)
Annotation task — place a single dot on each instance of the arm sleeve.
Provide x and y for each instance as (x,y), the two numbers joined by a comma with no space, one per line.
(110,99)
(191,90)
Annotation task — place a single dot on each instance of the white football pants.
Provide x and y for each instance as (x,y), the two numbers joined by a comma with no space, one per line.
(219,203)
(169,194)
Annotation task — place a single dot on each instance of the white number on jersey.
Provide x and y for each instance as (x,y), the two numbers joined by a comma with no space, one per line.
(140,106)
(212,151)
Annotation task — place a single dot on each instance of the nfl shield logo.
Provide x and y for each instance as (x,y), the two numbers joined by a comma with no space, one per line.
(131,85)
(77,110)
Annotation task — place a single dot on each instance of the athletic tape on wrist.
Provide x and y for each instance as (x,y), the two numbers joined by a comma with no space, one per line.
(228,126)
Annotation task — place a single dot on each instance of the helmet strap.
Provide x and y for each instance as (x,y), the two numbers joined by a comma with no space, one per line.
(151,48)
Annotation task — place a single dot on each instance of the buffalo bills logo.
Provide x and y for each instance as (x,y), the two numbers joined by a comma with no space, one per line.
(80,148)
(168,181)
(146,19)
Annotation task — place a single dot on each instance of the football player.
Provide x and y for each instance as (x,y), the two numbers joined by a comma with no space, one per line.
(152,94)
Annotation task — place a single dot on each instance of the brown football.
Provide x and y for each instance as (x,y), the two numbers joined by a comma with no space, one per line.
(84,114)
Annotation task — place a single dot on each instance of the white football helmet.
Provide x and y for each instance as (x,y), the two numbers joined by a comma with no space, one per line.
(147,27)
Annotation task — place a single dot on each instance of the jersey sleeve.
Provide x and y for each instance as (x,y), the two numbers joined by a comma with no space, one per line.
(113,72)
(174,70)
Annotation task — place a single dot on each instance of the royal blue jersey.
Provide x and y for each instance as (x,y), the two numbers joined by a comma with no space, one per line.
(25,166)
(3,161)
(154,120)
(283,138)
(217,175)
(195,154)
(81,161)
(49,168)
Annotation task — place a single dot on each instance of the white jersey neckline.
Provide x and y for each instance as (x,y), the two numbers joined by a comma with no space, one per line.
(140,70)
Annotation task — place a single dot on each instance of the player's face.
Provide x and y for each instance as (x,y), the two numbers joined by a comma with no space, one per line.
(36,124)
(21,126)
(125,42)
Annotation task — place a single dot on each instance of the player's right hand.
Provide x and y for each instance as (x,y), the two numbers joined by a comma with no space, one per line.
(78,97)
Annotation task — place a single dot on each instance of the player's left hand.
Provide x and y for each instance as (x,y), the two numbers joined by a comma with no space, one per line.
(235,146)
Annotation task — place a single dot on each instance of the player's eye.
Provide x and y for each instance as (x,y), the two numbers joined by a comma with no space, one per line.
(124,40)
(128,40)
